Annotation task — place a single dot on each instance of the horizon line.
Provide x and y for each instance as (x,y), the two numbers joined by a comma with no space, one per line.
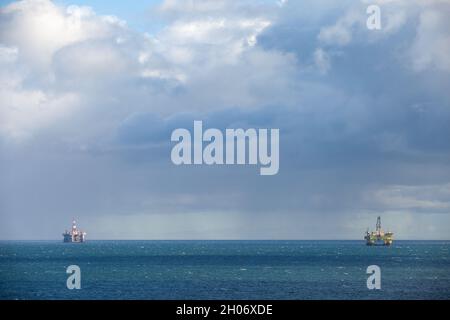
(362,240)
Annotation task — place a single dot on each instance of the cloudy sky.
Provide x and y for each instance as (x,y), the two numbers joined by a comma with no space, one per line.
(90,92)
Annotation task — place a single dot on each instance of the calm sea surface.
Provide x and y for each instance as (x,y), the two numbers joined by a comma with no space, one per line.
(224,270)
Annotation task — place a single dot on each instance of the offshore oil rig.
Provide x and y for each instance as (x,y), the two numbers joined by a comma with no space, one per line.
(379,237)
(74,235)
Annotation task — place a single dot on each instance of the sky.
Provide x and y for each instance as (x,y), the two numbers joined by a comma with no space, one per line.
(90,92)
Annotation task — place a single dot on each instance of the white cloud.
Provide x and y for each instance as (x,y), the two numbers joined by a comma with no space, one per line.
(322,60)
(341,32)
(32,35)
(24,109)
(352,24)
(431,46)
(434,198)
(209,49)
(210,40)
(8,54)
(193,6)
(39,28)
(55,52)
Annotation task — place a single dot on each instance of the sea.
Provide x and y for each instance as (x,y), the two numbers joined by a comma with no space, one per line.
(224,270)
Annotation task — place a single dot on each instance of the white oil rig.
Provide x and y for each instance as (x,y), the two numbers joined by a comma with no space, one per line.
(74,235)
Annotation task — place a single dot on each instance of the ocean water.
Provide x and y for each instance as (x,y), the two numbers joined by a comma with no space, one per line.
(224,270)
